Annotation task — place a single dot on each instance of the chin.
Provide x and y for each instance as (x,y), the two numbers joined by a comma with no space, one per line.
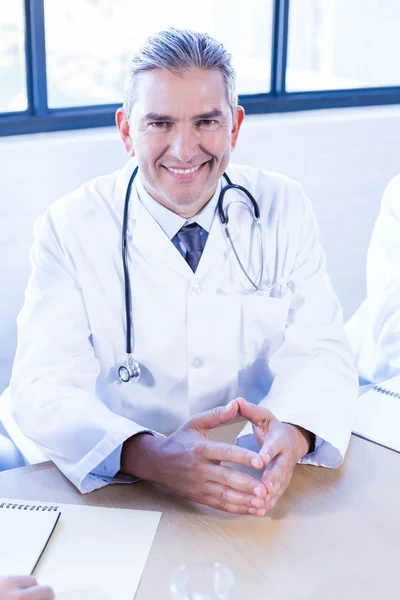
(184,201)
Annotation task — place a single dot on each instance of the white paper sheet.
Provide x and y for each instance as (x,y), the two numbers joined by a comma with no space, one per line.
(23,536)
(97,553)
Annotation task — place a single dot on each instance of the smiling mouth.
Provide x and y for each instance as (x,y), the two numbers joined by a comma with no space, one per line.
(185,173)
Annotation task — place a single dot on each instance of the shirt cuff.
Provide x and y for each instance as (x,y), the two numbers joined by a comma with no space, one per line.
(108,471)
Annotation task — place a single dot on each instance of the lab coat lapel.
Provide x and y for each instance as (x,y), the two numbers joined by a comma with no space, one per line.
(146,235)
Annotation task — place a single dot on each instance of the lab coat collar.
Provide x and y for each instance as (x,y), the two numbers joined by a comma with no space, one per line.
(169,221)
(150,237)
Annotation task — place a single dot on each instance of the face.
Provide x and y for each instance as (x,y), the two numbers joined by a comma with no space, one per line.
(182,133)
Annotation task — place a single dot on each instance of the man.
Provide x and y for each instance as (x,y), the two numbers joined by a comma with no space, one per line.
(374,329)
(202,335)
(24,587)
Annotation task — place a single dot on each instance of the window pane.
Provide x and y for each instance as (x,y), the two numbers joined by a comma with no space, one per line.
(89,42)
(12,57)
(340,44)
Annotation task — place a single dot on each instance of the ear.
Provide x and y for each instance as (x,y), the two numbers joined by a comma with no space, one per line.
(122,122)
(237,123)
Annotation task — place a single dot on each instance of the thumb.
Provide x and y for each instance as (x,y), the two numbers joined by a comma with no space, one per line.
(214,417)
(257,415)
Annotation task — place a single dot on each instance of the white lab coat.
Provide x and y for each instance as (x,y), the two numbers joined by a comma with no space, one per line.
(374,329)
(199,339)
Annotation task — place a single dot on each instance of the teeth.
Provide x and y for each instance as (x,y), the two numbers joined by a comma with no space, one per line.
(184,171)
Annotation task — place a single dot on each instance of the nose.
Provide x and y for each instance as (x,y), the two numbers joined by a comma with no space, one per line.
(184,145)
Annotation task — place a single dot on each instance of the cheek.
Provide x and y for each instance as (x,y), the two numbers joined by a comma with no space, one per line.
(219,144)
(147,149)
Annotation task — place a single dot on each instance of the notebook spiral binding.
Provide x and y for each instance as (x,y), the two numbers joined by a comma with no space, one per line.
(13,506)
(387,392)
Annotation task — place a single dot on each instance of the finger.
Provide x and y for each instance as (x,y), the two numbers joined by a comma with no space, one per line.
(273,445)
(22,581)
(258,415)
(232,508)
(276,479)
(236,480)
(214,417)
(38,592)
(230,496)
(276,470)
(277,494)
(221,452)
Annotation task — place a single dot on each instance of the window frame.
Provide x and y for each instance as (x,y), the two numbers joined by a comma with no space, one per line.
(40,118)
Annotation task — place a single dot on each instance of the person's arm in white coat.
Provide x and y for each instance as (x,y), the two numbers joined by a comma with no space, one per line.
(374,330)
(315,384)
(55,371)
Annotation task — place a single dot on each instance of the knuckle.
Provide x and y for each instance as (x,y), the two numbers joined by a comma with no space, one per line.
(223,495)
(226,453)
(199,450)
(219,504)
(240,509)
(198,471)
(216,412)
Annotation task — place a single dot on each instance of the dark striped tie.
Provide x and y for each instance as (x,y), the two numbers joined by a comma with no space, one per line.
(189,236)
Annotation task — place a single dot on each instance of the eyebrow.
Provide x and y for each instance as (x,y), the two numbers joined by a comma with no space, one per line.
(212,114)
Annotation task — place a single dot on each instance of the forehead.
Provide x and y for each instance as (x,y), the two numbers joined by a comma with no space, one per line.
(194,91)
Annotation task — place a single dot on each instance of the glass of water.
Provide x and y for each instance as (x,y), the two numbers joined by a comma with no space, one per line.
(202,581)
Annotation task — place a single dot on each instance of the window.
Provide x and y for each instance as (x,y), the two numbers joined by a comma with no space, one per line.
(63,62)
(343,44)
(12,57)
(91,70)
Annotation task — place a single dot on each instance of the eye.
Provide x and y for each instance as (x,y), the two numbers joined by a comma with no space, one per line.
(207,123)
(160,125)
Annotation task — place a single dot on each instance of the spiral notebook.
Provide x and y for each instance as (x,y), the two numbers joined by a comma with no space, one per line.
(86,552)
(378,414)
(25,530)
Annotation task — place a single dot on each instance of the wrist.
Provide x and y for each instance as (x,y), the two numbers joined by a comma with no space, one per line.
(304,440)
(138,456)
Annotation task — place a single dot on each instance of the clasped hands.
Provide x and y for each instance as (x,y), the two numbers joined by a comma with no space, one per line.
(189,464)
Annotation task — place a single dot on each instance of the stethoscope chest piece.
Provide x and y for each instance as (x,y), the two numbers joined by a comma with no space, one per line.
(129,371)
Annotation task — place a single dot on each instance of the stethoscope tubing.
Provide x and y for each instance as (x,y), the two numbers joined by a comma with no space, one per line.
(127,281)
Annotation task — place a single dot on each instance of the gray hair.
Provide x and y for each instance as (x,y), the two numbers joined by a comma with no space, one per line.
(178,50)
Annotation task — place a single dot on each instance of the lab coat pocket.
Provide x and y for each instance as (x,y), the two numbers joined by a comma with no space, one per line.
(264,321)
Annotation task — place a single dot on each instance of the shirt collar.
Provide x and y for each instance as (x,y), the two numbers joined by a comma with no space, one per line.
(169,221)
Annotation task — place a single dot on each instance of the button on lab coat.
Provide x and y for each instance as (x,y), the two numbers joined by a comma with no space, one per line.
(200,338)
(374,329)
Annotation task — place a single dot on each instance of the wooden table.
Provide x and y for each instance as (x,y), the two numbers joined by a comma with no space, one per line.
(334,536)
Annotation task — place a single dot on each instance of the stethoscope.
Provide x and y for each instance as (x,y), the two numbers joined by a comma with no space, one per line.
(130,370)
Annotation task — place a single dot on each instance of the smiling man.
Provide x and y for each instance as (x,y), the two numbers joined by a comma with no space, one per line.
(223,322)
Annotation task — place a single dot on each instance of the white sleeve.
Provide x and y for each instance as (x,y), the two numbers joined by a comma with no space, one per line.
(374,330)
(53,384)
(315,384)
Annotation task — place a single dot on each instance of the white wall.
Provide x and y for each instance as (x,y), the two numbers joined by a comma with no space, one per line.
(344,158)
